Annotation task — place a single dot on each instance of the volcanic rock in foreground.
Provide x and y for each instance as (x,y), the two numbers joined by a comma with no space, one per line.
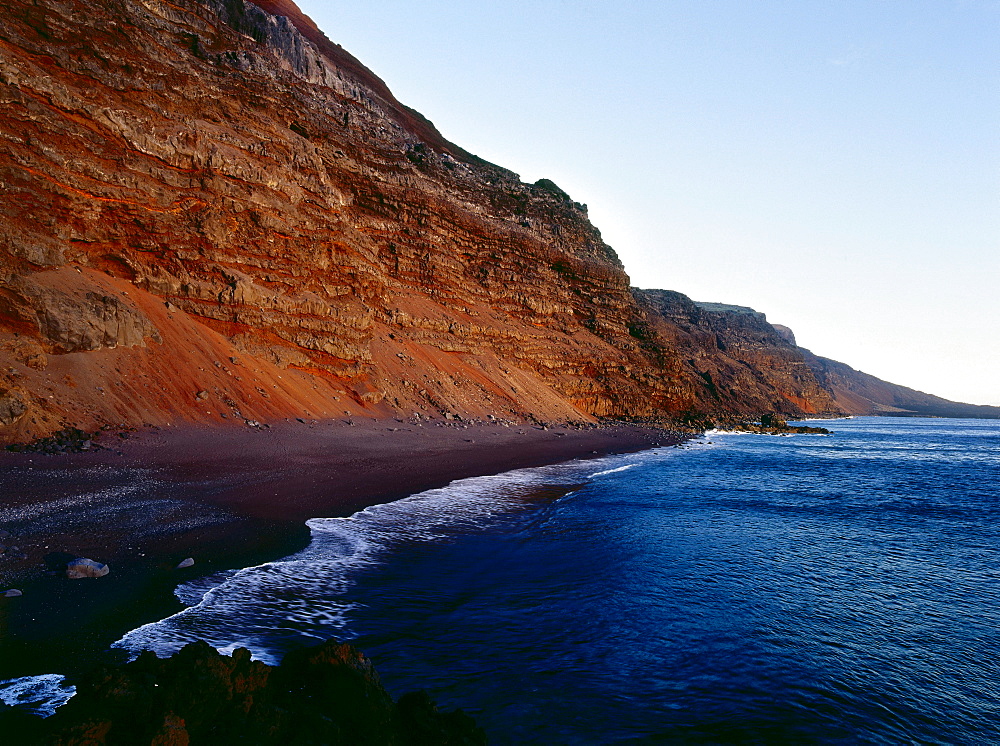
(329,694)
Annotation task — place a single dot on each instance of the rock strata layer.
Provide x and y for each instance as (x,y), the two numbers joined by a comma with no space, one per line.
(211,213)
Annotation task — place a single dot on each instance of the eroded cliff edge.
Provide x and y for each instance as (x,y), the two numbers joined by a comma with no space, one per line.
(210,213)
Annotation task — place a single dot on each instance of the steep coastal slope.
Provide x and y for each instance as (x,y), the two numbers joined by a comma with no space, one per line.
(860,393)
(735,343)
(745,364)
(213,214)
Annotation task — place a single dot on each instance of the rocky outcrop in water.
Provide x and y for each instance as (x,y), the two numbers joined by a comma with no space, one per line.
(214,214)
(329,694)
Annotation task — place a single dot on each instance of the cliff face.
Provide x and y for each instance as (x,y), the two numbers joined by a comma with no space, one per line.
(744,364)
(212,213)
(855,392)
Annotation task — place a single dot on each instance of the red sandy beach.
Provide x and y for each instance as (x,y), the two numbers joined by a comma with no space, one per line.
(227,498)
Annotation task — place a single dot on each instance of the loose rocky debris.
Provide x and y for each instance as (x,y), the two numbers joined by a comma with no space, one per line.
(74,440)
(12,406)
(772,424)
(70,440)
(10,551)
(14,553)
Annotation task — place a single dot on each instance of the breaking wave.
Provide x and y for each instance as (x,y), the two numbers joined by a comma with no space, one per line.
(300,600)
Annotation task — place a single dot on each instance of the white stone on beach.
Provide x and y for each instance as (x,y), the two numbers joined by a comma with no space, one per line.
(82,567)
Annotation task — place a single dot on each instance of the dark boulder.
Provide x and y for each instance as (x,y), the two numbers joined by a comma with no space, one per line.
(329,694)
(773,420)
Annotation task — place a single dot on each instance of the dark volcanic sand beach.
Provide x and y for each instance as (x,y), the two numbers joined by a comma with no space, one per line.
(226,497)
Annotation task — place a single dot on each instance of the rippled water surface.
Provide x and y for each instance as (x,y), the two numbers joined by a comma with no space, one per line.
(745,589)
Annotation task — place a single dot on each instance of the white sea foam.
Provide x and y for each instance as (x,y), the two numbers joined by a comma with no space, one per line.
(40,695)
(193,591)
(270,606)
(613,471)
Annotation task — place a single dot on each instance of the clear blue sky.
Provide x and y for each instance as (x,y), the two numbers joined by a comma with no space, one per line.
(834,164)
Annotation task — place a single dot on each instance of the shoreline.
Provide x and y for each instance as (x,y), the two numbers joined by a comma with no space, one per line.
(228,498)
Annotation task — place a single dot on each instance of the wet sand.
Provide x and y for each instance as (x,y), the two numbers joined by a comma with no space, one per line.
(227,498)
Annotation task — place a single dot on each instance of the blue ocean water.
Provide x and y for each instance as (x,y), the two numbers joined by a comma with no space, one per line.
(741,589)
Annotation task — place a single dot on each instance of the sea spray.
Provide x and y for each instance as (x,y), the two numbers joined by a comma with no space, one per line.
(39,695)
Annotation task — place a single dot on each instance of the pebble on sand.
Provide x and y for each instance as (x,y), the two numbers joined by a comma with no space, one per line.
(82,567)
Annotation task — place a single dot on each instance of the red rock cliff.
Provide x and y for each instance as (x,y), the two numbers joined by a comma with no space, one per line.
(211,213)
